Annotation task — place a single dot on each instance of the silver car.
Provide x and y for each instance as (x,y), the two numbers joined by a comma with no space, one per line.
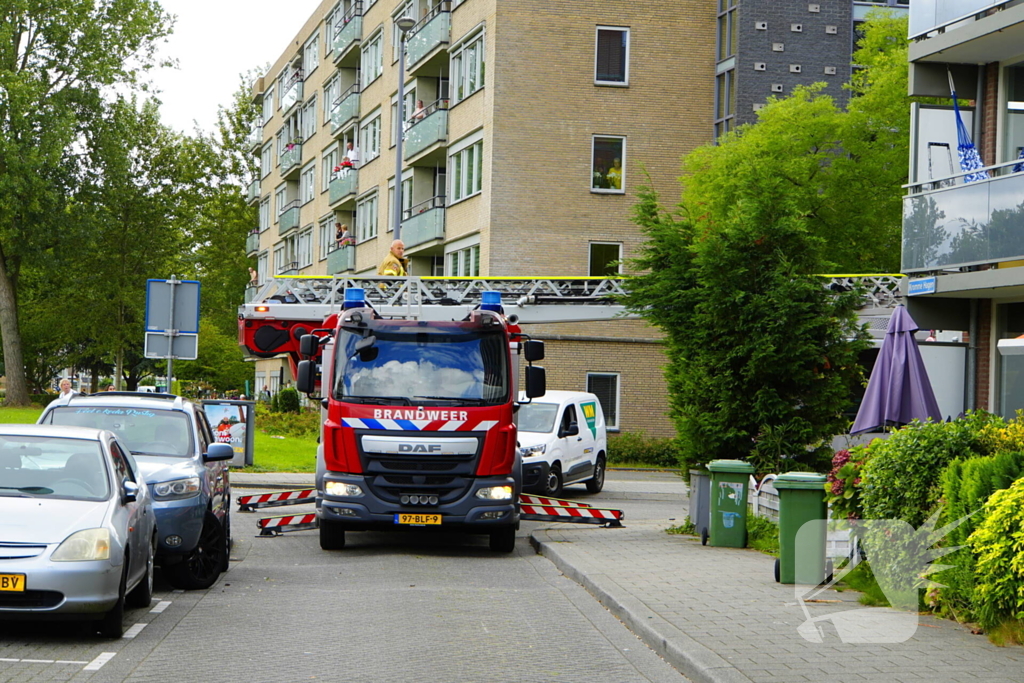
(77,529)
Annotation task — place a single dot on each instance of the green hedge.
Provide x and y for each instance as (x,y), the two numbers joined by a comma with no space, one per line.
(998,544)
(636,448)
(304,424)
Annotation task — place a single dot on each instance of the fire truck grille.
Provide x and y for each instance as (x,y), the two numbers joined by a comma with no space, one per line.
(390,476)
(418,466)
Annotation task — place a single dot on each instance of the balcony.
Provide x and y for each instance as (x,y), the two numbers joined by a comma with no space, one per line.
(288,219)
(255,137)
(426,37)
(427,133)
(958,32)
(250,293)
(932,15)
(347,35)
(292,93)
(252,193)
(252,242)
(341,259)
(345,109)
(291,160)
(343,187)
(423,223)
(288,268)
(948,223)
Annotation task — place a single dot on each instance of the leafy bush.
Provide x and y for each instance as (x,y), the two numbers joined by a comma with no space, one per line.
(763,534)
(288,401)
(637,448)
(998,543)
(966,485)
(843,484)
(901,478)
(304,424)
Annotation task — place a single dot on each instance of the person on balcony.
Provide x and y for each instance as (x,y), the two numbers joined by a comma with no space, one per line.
(420,112)
(254,277)
(342,235)
(395,264)
(352,153)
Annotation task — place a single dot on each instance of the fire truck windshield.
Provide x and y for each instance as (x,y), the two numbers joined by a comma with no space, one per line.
(417,365)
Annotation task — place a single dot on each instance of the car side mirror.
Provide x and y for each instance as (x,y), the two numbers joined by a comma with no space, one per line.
(309,345)
(536,381)
(305,376)
(219,452)
(131,490)
(572,430)
(533,350)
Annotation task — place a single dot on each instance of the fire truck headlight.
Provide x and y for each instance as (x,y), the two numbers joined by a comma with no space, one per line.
(495,493)
(337,488)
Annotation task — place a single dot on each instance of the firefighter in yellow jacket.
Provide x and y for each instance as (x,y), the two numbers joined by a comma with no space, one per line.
(395,263)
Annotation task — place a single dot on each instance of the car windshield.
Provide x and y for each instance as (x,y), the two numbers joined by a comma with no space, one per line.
(537,417)
(52,467)
(422,365)
(144,431)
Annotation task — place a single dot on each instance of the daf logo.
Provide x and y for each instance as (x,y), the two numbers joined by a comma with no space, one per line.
(419,448)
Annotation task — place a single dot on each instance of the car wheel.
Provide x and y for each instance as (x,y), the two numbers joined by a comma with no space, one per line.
(553,485)
(596,483)
(112,623)
(504,540)
(332,535)
(227,540)
(142,594)
(200,568)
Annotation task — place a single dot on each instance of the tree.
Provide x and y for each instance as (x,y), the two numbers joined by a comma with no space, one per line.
(57,61)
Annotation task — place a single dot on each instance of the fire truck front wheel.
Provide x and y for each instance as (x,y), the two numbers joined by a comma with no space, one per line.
(504,539)
(332,535)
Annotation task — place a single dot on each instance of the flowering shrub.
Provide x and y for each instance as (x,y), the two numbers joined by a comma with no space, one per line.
(842,486)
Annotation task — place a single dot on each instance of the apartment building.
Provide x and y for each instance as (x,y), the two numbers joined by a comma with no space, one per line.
(963,231)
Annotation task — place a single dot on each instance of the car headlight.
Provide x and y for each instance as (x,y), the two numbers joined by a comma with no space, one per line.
(495,493)
(338,488)
(179,488)
(88,544)
(533,450)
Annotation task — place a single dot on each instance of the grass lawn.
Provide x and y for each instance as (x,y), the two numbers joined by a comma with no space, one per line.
(20,415)
(282,454)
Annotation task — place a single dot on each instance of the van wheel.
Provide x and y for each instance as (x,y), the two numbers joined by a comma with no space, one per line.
(595,484)
(504,541)
(332,535)
(553,485)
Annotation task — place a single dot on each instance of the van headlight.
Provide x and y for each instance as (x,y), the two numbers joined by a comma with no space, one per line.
(178,488)
(527,451)
(88,544)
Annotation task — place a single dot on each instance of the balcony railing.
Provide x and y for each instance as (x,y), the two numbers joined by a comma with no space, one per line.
(291,157)
(423,222)
(288,219)
(948,223)
(288,268)
(252,193)
(426,128)
(250,293)
(255,138)
(430,32)
(342,185)
(348,31)
(931,15)
(345,108)
(340,259)
(292,93)
(252,242)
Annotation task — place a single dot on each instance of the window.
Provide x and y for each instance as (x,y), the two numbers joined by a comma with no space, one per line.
(408,111)
(279,258)
(467,171)
(307,183)
(311,55)
(326,235)
(372,64)
(329,161)
(333,19)
(280,200)
(464,262)
(369,138)
(265,214)
(612,56)
(568,418)
(309,118)
(263,267)
(268,105)
(726,29)
(331,92)
(608,164)
(467,68)
(366,217)
(266,160)
(305,248)
(404,10)
(606,387)
(725,102)
(604,257)
(725,79)
(406,201)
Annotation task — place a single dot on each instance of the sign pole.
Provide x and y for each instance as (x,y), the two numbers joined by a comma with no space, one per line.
(173,282)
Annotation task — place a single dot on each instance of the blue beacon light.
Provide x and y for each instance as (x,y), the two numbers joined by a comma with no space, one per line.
(491,301)
(355,297)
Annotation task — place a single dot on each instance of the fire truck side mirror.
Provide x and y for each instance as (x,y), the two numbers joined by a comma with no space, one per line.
(533,350)
(536,381)
(309,345)
(305,377)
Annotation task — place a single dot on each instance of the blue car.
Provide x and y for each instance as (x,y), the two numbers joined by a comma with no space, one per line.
(184,467)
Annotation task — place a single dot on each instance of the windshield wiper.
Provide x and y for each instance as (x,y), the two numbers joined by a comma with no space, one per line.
(41,490)
(378,400)
(455,399)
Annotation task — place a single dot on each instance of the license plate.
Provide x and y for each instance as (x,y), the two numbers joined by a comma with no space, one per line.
(416,520)
(12,583)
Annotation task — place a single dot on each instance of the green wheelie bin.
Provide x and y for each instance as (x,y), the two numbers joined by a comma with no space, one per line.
(729,484)
(801,548)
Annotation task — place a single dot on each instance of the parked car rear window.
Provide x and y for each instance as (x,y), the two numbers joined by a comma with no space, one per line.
(143,431)
(51,467)
(537,417)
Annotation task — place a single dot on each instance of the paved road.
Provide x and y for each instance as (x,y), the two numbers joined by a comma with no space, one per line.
(389,608)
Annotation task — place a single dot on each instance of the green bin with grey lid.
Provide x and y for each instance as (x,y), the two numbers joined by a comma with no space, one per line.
(803,515)
(729,483)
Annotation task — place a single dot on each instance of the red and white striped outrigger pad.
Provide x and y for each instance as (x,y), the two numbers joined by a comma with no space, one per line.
(579,515)
(558,502)
(274,526)
(266,500)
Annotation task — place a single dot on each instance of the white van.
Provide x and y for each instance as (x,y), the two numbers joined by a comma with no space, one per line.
(562,440)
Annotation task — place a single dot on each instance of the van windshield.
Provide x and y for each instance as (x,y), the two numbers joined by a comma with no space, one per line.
(537,417)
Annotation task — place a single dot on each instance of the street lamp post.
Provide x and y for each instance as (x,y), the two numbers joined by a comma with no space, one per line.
(403,24)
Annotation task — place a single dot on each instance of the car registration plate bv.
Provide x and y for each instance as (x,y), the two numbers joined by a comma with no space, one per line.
(416,519)
(13,583)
